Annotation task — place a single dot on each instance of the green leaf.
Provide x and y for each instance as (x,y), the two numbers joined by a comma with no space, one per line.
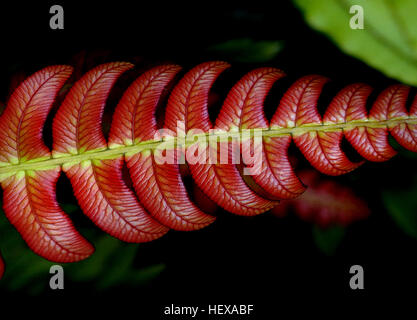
(247,50)
(38,270)
(402,206)
(388,41)
(145,275)
(118,266)
(69,207)
(110,265)
(92,268)
(327,240)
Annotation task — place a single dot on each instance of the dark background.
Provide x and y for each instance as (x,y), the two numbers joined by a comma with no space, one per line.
(270,262)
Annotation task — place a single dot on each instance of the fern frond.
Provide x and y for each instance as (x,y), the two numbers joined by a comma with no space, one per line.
(29,171)
(29,195)
(98,184)
(158,186)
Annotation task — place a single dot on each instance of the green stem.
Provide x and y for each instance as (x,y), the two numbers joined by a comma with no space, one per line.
(39,164)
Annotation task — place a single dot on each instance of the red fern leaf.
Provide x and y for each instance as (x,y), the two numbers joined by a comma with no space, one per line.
(76,127)
(98,184)
(158,186)
(405,133)
(389,105)
(371,143)
(28,173)
(243,109)
(29,196)
(221,182)
(325,202)
(321,148)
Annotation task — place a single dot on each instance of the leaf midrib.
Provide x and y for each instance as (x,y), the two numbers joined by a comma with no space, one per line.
(43,164)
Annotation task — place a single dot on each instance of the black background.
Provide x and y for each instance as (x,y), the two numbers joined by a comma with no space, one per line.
(269,262)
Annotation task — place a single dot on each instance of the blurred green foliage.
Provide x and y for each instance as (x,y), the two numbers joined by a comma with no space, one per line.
(388,41)
(247,50)
(327,240)
(402,205)
(111,265)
